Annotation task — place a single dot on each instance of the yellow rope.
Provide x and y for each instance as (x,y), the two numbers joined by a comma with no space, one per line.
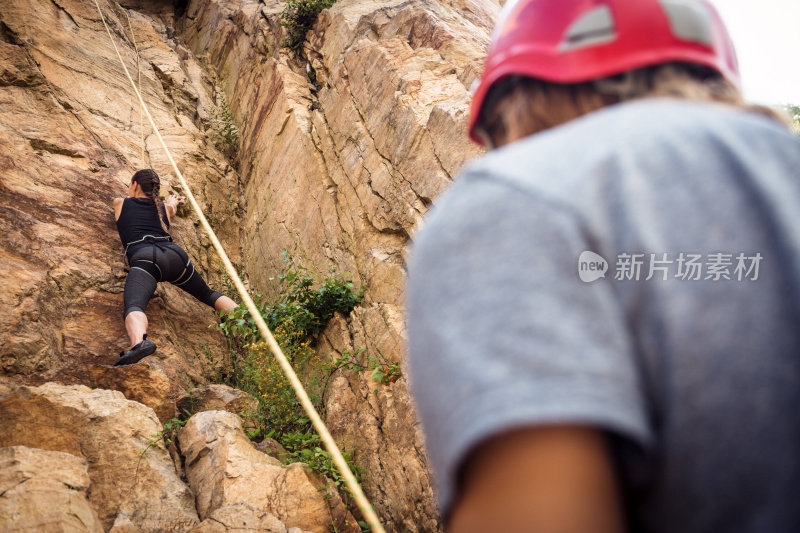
(139,73)
(350,480)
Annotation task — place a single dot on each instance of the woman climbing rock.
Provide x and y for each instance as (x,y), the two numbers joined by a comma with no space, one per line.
(153,257)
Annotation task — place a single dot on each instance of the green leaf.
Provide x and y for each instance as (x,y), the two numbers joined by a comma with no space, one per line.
(378,375)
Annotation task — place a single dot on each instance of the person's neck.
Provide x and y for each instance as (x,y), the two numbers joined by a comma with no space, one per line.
(140,195)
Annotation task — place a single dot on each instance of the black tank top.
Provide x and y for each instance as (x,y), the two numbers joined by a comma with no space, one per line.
(138,219)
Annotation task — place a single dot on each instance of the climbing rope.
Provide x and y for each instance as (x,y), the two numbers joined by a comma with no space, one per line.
(139,74)
(355,489)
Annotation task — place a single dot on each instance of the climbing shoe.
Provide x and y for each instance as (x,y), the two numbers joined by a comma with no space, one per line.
(135,354)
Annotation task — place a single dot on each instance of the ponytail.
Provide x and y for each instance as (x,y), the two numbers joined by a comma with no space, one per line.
(150,183)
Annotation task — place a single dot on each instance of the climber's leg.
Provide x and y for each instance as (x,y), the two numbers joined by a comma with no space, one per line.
(193,283)
(224,303)
(183,275)
(137,352)
(136,326)
(139,288)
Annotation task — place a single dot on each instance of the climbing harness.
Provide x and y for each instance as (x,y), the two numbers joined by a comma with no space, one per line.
(151,266)
(148,239)
(355,489)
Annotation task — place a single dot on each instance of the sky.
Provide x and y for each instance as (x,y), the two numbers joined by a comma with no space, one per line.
(766,34)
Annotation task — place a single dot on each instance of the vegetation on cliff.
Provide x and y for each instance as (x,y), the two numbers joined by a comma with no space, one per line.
(224,132)
(794,114)
(296,316)
(298,17)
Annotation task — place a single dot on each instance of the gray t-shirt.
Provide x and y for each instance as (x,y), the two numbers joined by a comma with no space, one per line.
(695,378)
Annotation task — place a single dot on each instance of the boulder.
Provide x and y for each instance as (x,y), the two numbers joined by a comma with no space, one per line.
(223,468)
(214,397)
(145,382)
(272,448)
(124,524)
(131,472)
(44,491)
(240,518)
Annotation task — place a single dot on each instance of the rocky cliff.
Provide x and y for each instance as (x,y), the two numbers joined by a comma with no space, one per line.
(71,133)
(344,144)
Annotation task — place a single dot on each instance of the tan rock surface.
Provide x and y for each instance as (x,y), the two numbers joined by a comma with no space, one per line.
(215,397)
(69,142)
(272,448)
(339,166)
(378,420)
(240,518)
(147,382)
(223,468)
(44,491)
(111,433)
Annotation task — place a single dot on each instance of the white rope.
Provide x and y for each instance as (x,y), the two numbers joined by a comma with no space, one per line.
(139,73)
(355,489)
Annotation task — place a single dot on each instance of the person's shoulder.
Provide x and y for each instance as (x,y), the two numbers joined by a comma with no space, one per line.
(118,201)
(626,136)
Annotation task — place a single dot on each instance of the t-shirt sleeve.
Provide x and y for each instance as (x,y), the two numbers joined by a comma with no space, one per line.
(502,331)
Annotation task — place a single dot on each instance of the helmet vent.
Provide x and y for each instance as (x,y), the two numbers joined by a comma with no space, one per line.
(690,20)
(592,28)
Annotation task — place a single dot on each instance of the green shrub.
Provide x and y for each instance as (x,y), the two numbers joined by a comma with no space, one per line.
(382,372)
(306,300)
(295,317)
(301,309)
(299,16)
(307,448)
(225,132)
(794,114)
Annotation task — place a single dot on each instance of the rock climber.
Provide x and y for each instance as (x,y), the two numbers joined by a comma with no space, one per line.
(153,257)
(603,310)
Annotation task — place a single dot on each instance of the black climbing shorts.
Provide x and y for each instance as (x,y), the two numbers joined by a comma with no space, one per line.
(162,261)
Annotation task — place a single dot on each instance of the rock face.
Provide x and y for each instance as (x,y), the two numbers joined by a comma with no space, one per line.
(44,491)
(343,148)
(147,382)
(378,421)
(240,518)
(214,397)
(70,139)
(225,469)
(342,153)
(131,481)
(272,448)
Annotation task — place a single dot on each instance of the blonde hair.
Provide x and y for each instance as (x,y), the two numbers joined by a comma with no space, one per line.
(518,106)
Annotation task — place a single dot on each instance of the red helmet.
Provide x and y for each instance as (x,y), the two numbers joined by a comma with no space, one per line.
(573,41)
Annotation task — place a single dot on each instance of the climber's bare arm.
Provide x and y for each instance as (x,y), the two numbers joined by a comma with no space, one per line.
(555,479)
(118,207)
